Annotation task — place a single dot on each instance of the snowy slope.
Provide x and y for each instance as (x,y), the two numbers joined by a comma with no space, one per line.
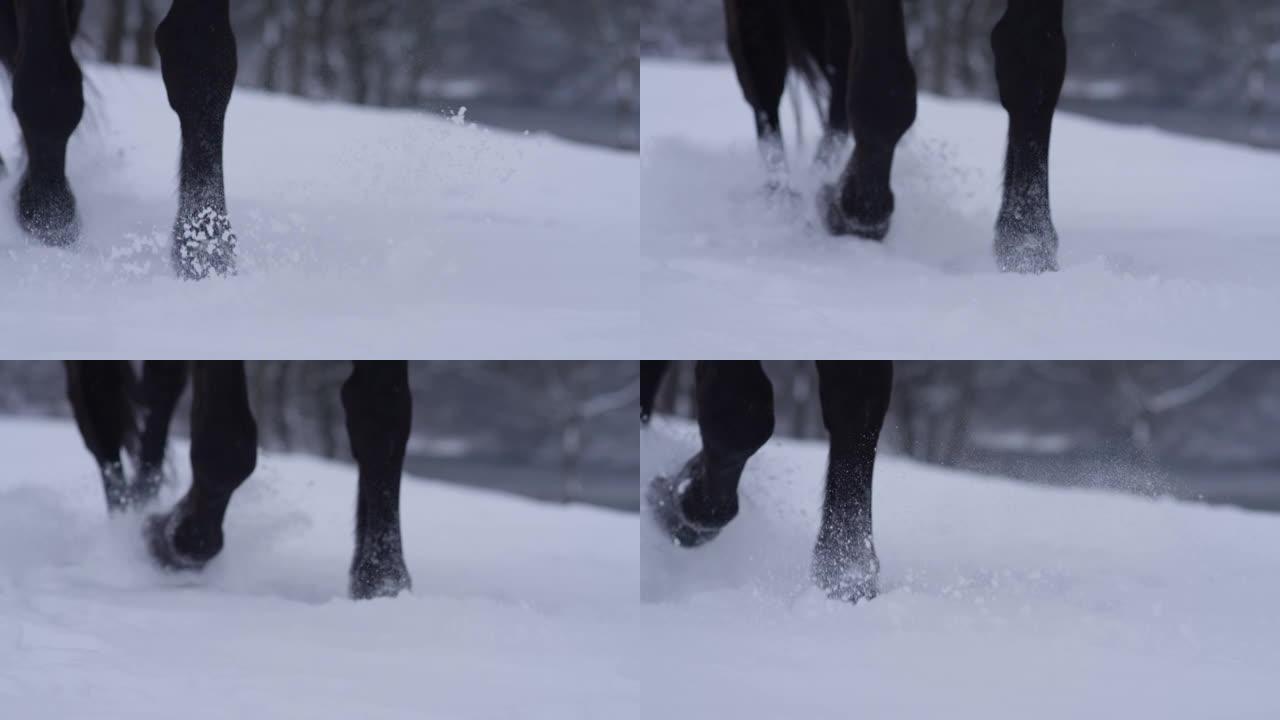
(1171,246)
(362,232)
(999,600)
(515,612)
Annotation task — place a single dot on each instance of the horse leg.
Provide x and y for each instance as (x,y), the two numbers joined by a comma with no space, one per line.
(161,387)
(882,107)
(99,395)
(379,412)
(224,452)
(735,417)
(758,45)
(198,60)
(1031,66)
(855,400)
(835,39)
(48,100)
(651,374)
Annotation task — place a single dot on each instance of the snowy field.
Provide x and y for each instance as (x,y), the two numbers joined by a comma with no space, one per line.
(999,600)
(362,232)
(1168,243)
(518,611)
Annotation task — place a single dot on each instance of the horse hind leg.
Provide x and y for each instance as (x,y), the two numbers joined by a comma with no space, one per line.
(224,453)
(855,400)
(99,395)
(48,100)
(198,61)
(1031,65)
(735,418)
(758,45)
(161,387)
(882,107)
(379,411)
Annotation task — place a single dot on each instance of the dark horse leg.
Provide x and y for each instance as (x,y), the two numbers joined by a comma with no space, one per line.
(735,417)
(224,452)
(855,400)
(651,374)
(379,413)
(198,60)
(108,405)
(882,107)
(758,44)
(1031,65)
(48,100)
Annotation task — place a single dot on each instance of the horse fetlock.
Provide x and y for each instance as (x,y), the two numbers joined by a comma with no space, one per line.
(204,243)
(846,568)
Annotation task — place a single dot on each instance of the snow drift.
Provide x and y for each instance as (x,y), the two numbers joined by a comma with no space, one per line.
(362,232)
(1168,243)
(999,600)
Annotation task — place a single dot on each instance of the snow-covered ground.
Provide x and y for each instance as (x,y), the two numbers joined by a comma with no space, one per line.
(1169,244)
(519,610)
(362,232)
(999,600)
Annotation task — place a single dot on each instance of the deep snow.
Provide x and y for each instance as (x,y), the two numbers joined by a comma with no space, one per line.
(999,600)
(1168,243)
(517,609)
(362,232)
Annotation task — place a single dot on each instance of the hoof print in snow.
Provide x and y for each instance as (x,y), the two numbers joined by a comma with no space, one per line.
(841,224)
(845,576)
(162,534)
(49,214)
(371,580)
(204,244)
(665,497)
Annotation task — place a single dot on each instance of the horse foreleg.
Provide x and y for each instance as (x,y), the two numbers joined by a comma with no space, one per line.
(198,60)
(651,374)
(882,107)
(161,387)
(379,410)
(48,100)
(855,400)
(99,395)
(1031,66)
(758,45)
(735,417)
(224,453)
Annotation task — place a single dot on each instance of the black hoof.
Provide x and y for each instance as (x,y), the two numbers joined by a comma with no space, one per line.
(48,213)
(840,223)
(1026,248)
(371,579)
(204,245)
(848,575)
(178,548)
(665,497)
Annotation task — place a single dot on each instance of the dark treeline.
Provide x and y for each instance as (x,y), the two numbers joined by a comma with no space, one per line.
(573,421)
(563,55)
(1061,421)
(1222,56)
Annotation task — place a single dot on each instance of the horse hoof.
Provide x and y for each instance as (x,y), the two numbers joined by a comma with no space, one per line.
(841,224)
(665,497)
(844,576)
(203,245)
(371,579)
(176,550)
(48,213)
(1028,248)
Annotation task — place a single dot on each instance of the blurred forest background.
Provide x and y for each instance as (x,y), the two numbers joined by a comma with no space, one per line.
(556,431)
(1207,68)
(1196,430)
(564,66)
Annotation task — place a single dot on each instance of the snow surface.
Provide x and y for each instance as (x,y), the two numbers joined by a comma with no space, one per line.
(517,610)
(362,232)
(999,600)
(1169,244)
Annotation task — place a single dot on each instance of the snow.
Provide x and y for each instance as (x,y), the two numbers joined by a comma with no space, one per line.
(366,232)
(1168,243)
(999,600)
(515,613)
